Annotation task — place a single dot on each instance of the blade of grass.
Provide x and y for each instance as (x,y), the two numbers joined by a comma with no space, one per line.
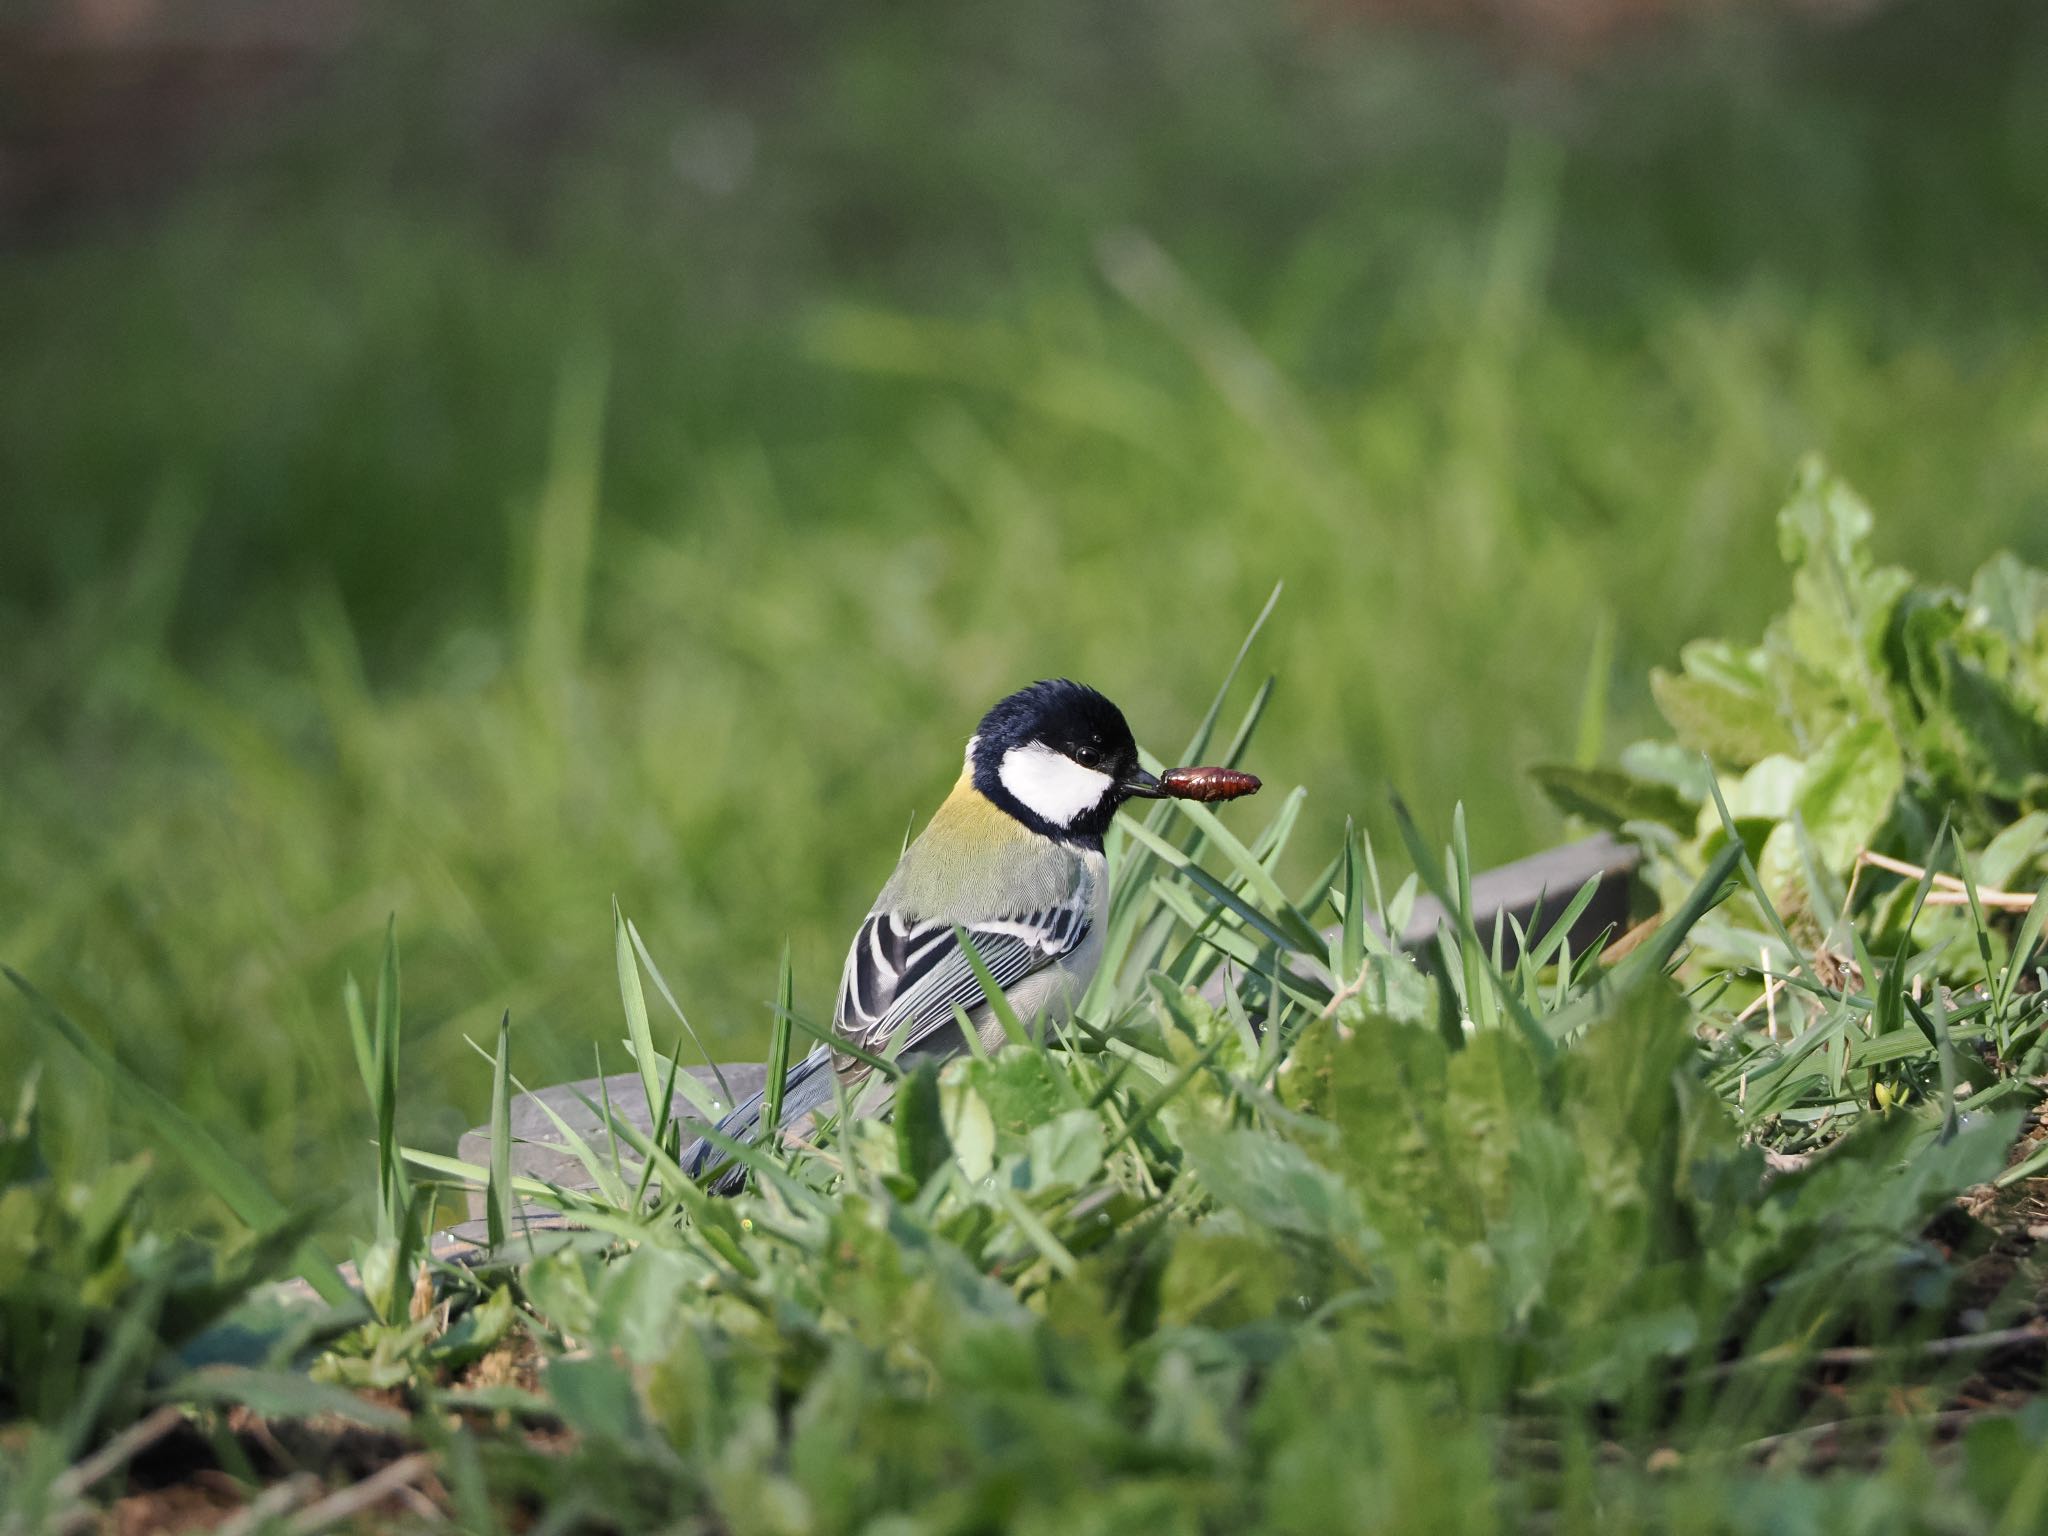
(384,1037)
(2023,945)
(1350,956)
(840,1045)
(1555,936)
(237,1188)
(1241,741)
(778,1049)
(760,1162)
(604,1177)
(1457,906)
(667,1134)
(1271,843)
(1936,1024)
(1132,873)
(359,1035)
(644,1054)
(1981,931)
(498,1191)
(1040,1236)
(1258,879)
(706,1109)
(998,1002)
(1166,1095)
(1270,926)
(1199,742)
(475,1176)
(1654,954)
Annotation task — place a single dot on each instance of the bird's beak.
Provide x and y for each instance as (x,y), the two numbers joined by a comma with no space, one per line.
(1140,785)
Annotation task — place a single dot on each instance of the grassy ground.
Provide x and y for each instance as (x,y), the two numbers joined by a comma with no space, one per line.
(579,457)
(1289,1232)
(612,461)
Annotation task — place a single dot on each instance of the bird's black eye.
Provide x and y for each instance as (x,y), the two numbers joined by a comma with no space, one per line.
(1087,756)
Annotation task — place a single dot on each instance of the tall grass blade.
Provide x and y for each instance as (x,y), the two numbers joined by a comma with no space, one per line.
(703,1106)
(498,1192)
(604,1176)
(1166,1095)
(1240,743)
(1593,697)
(237,1188)
(824,1034)
(384,1036)
(645,1056)
(2024,944)
(1483,987)
(1199,742)
(778,1049)
(1559,932)
(998,1002)
(1655,953)
(1351,944)
(359,1036)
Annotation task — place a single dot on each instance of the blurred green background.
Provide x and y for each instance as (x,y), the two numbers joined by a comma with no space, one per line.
(471,468)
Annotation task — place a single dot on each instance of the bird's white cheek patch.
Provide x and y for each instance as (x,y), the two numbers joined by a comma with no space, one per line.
(1052,784)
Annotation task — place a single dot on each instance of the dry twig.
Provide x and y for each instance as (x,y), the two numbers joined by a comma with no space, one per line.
(346,1503)
(116,1453)
(1947,890)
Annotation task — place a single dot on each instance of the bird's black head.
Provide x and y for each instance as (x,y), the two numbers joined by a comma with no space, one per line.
(1059,757)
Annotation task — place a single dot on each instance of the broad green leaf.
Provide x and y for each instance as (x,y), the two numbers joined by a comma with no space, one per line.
(1021,1088)
(596,1398)
(1824,521)
(921,1145)
(1217,1278)
(1845,793)
(1841,610)
(1666,762)
(2005,738)
(2012,597)
(1731,727)
(1273,1183)
(2013,851)
(1610,797)
(1843,796)
(1066,1150)
(280,1395)
(970,1129)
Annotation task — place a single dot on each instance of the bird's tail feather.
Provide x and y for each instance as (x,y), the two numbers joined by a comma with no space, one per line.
(806,1087)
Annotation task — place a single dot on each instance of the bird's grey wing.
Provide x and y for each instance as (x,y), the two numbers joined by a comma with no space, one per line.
(905,975)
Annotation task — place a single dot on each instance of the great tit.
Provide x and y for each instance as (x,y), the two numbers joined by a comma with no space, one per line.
(1013,858)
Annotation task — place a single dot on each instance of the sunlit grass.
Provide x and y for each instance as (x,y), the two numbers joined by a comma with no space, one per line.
(657,562)
(780,669)
(1276,1198)
(1210,1253)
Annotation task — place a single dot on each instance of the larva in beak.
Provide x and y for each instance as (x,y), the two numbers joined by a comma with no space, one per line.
(1207,784)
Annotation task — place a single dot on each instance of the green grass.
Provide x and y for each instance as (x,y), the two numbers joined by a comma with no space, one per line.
(1484,1251)
(446,508)
(390,537)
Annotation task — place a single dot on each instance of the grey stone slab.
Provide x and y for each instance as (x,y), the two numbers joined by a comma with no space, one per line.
(538,1150)
(1532,891)
(1544,883)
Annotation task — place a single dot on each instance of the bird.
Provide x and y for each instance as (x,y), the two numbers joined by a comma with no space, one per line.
(1013,858)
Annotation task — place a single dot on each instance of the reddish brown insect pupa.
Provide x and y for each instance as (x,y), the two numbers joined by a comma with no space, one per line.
(1207,783)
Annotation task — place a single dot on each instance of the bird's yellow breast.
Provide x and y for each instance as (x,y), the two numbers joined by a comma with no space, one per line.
(969,819)
(974,860)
